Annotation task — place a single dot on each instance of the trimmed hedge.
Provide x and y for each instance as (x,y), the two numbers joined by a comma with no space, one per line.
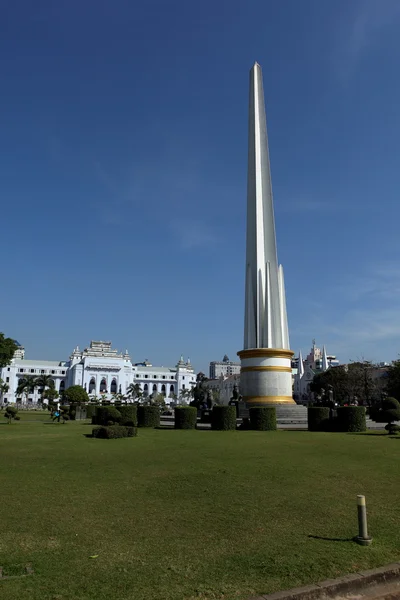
(185,417)
(148,416)
(223,418)
(262,418)
(113,432)
(129,413)
(106,414)
(90,410)
(351,418)
(318,418)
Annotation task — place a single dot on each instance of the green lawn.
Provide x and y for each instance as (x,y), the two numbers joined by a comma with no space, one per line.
(178,515)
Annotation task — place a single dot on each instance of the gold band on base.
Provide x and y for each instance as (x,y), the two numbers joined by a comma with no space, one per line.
(266,353)
(269,368)
(269,400)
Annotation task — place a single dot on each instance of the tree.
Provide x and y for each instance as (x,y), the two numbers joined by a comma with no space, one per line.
(11,413)
(50,394)
(7,350)
(75,395)
(45,381)
(337,378)
(393,379)
(26,385)
(134,391)
(4,387)
(388,412)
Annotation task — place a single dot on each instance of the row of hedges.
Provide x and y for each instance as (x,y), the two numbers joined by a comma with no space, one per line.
(348,419)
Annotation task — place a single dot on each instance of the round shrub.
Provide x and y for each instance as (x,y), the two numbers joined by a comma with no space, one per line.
(129,412)
(263,418)
(387,411)
(318,418)
(351,418)
(223,418)
(185,417)
(148,416)
(105,414)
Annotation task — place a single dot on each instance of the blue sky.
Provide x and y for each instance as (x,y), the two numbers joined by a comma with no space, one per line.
(123,172)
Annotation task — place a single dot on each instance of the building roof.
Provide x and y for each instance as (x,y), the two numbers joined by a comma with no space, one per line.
(39,363)
(157,369)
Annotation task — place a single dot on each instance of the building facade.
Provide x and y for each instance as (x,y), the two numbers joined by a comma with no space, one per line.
(102,371)
(317,361)
(223,367)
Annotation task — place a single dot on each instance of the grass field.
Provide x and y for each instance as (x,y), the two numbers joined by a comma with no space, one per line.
(175,515)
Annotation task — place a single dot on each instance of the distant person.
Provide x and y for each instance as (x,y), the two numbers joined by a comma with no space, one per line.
(57,415)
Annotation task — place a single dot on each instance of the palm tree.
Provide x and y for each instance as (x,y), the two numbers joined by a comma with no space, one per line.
(4,387)
(26,385)
(44,381)
(134,391)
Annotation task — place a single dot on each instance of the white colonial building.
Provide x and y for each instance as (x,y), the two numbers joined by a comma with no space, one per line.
(102,371)
(223,367)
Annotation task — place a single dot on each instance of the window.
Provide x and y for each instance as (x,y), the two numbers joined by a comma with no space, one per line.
(8,369)
(154,388)
(92,385)
(32,370)
(5,400)
(172,389)
(103,386)
(183,377)
(53,372)
(113,388)
(183,387)
(42,371)
(163,389)
(163,376)
(146,376)
(138,375)
(155,377)
(7,379)
(146,387)
(62,372)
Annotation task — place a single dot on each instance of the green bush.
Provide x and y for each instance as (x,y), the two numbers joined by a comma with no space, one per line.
(90,411)
(107,414)
(148,416)
(351,418)
(263,418)
(223,418)
(113,432)
(318,418)
(75,394)
(129,412)
(185,417)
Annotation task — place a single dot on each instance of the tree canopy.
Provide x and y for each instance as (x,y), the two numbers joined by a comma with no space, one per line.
(393,380)
(7,349)
(75,395)
(349,382)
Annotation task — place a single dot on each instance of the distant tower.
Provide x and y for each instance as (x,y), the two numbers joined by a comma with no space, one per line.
(266,374)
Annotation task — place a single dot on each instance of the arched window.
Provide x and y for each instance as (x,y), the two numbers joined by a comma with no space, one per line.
(146,388)
(92,385)
(103,385)
(113,388)
(163,389)
(53,383)
(62,386)
(171,389)
(154,388)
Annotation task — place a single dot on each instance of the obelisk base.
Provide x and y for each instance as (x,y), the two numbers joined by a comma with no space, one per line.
(266,376)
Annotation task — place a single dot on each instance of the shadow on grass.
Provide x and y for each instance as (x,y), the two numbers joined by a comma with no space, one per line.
(87,435)
(329,539)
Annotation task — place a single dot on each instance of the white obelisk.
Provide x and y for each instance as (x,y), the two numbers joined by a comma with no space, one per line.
(266,374)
